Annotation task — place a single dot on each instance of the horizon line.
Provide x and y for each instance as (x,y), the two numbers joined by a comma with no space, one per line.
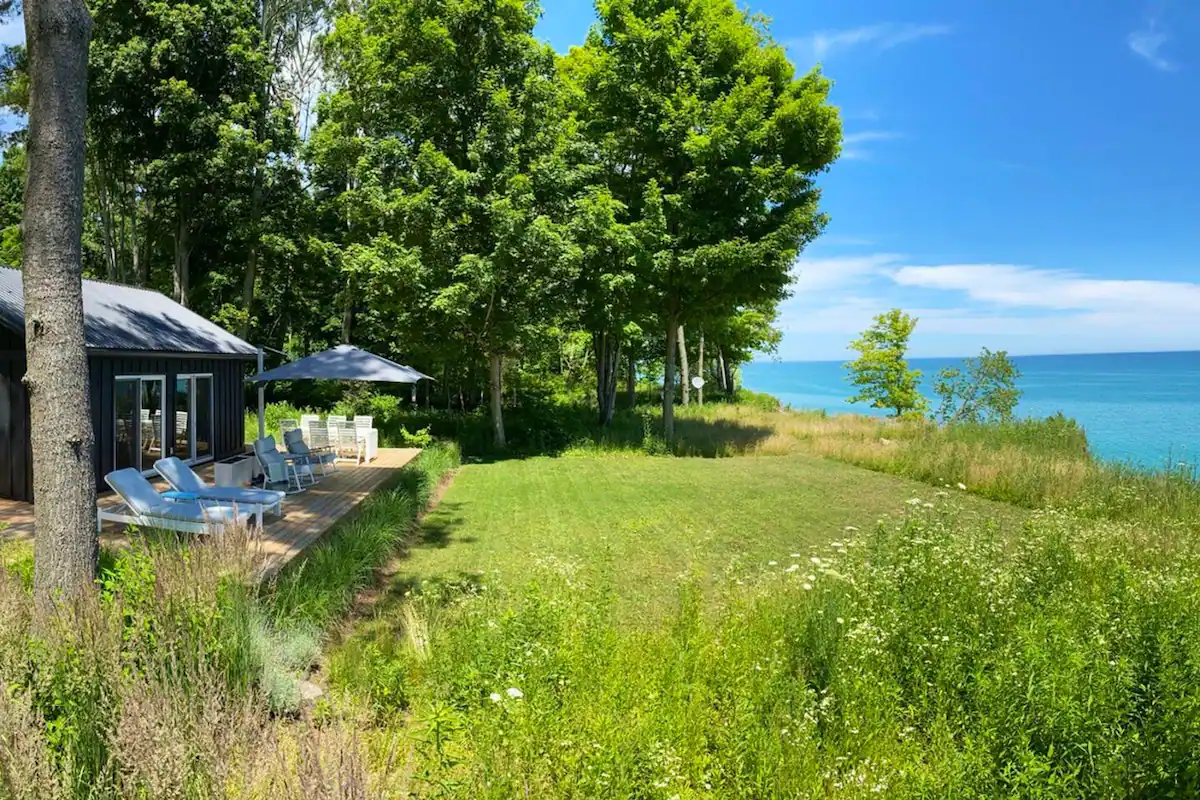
(973,355)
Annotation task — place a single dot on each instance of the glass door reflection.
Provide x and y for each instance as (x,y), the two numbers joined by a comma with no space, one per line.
(140,433)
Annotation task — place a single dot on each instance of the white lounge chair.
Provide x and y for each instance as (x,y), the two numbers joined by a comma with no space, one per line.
(324,458)
(280,468)
(142,505)
(183,479)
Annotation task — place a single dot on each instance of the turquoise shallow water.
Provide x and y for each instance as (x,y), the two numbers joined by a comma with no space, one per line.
(1138,407)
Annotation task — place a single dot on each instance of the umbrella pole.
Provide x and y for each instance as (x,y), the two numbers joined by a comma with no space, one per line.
(262,400)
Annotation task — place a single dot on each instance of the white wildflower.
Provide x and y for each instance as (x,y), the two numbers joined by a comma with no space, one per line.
(815,560)
(514,693)
(808,587)
(913,501)
(772,563)
(792,568)
(962,486)
(841,621)
(495,697)
(850,529)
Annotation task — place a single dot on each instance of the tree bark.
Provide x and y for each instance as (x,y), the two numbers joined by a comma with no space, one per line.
(65,548)
(348,313)
(700,371)
(183,257)
(608,362)
(684,377)
(631,380)
(668,399)
(248,281)
(730,380)
(721,369)
(495,370)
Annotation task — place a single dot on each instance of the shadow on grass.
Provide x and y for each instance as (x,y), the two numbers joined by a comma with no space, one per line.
(437,529)
(551,430)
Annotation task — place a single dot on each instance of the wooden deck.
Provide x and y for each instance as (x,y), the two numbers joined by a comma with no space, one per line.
(306,516)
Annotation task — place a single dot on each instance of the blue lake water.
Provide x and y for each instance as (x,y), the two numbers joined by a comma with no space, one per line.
(1139,407)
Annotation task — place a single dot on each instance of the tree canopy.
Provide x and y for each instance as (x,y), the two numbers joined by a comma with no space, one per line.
(465,199)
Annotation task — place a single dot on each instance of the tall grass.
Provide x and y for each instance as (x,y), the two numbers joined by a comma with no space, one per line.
(177,678)
(924,659)
(320,586)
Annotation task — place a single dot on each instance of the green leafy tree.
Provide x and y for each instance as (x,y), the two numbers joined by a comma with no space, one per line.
(12,189)
(983,389)
(441,161)
(881,373)
(606,286)
(174,94)
(703,131)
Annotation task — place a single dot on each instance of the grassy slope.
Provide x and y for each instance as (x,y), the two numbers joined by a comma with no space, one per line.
(654,518)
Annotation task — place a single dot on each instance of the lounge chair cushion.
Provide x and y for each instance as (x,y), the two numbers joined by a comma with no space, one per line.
(143,500)
(184,479)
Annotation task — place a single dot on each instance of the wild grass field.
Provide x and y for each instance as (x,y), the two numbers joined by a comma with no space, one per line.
(650,520)
(746,614)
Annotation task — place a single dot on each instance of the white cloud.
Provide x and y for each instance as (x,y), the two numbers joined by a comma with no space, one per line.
(1015,286)
(1147,42)
(882,36)
(852,143)
(811,275)
(963,307)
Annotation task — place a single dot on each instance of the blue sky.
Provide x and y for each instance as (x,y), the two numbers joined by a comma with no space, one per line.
(1018,174)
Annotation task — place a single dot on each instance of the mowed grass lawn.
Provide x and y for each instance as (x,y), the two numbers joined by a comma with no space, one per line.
(652,519)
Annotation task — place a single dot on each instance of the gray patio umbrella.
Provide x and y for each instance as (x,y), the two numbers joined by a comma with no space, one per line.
(342,363)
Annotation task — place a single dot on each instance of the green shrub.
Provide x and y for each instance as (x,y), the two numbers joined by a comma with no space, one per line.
(758,400)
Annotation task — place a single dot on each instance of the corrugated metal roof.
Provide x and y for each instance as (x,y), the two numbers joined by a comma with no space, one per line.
(128,318)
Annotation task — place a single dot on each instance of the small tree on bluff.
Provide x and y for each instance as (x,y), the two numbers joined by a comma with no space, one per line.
(984,389)
(881,373)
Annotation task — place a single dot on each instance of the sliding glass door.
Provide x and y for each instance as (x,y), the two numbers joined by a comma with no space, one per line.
(193,417)
(140,430)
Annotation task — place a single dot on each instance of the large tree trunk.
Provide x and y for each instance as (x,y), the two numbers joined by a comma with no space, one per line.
(248,281)
(684,377)
(348,313)
(668,399)
(183,258)
(700,372)
(608,362)
(495,371)
(65,548)
(631,379)
(730,379)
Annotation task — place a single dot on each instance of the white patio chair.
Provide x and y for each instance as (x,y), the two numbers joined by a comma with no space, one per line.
(286,425)
(345,441)
(308,423)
